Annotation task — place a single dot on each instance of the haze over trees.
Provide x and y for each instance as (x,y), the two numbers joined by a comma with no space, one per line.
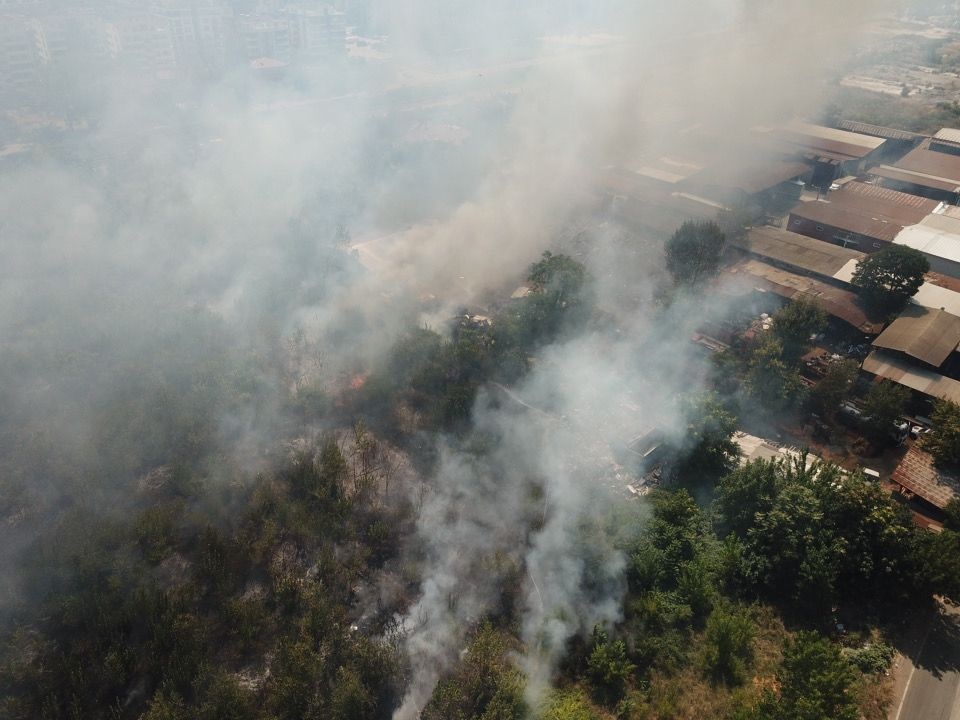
(693,252)
(280,441)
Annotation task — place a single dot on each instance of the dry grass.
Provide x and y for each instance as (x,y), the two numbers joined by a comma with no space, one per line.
(874,696)
(690,694)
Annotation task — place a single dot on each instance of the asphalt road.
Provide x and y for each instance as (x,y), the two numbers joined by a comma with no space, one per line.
(933,681)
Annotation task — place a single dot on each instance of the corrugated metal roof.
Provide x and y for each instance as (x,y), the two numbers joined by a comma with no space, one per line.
(916,178)
(917,473)
(937,298)
(869,192)
(798,251)
(942,165)
(878,130)
(836,301)
(868,210)
(830,141)
(815,142)
(948,134)
(935,235)
(927,335)
(901,371)
(930,295)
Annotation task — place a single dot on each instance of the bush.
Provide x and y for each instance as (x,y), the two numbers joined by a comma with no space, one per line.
(729,645)
(872,658)
(608,667)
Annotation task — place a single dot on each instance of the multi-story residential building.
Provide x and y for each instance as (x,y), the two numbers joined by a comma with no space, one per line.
(140,42)
(198,31)
(21,41)
(265,36)
(318,32)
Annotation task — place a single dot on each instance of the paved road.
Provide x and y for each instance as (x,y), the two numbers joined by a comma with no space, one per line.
(933,676)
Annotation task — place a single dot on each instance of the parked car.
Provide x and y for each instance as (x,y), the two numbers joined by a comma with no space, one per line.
(851,410)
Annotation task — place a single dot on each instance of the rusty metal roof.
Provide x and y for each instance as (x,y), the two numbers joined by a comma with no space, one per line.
(926,161)
(917,473)
(868,210)
(836,301)
(927,335)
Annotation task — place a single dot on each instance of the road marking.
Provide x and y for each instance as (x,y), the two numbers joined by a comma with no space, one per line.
(955,715)
(906,689)
(913,669)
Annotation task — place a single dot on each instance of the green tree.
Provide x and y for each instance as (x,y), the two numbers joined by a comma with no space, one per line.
(568,705)
(225,699)
(728,645)
(786,551)
(944,442)
(608,667)
(952,512)
(816,682)
(559,277)
(772,380)
(835,387)
(886,280)
(745,492)
(167,705)
(939,556)
(350,699)
(562,298)
(871,539)
(693,252)
(882,407)
(710,449)
(485,684)
(795,323)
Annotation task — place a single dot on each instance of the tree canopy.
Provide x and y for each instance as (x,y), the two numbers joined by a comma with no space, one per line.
(882,407)
(771,378)
(815,683)
(710,449)
(795,323)
(560,277)
(835,387)
(944,442)
(693,252)
(886,280)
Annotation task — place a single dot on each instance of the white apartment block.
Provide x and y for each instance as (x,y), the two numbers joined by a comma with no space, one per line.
(198,30)
(21,61)
(265,36)
(318,32)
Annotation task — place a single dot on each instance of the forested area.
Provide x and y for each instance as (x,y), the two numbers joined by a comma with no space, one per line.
(157,576)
